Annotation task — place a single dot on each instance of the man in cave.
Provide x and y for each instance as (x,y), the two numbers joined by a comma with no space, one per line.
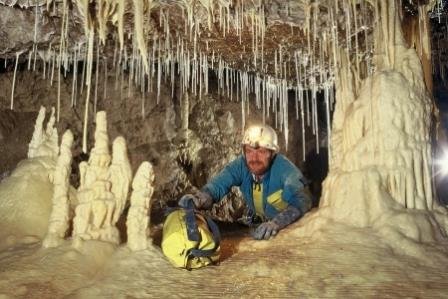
(273,188)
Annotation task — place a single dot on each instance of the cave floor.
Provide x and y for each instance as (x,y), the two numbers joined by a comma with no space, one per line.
(336,262)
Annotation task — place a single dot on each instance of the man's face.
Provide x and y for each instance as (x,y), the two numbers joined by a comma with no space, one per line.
(258,159)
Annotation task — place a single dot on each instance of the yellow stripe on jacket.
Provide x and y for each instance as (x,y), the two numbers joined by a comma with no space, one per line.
(257,193)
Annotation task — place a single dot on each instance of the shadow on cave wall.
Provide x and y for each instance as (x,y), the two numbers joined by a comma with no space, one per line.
(316,170)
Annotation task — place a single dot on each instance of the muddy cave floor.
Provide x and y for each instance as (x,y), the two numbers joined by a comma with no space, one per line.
(336,262)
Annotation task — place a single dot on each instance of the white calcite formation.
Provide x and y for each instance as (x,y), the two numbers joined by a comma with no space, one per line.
(102,194)
(101,203)
(44,143)
(138,215)
(59,219)
(380,174)
(120,176)
(25,204)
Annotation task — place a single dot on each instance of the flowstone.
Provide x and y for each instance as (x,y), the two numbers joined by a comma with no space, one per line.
(25,195)
(380,168)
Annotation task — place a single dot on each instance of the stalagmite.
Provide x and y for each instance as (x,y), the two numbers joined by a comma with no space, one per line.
(59,219)
(138,215)
(120,176)
(44,143)
(93,220)
(50,146)
(37,137)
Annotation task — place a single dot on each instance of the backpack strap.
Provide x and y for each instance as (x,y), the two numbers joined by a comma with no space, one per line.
(192,226)
(190,220)
(193,231)
(216,239)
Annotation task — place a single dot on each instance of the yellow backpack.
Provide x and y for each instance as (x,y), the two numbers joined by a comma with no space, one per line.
(190,240)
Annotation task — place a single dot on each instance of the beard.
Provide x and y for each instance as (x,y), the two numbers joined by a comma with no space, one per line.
(257,167)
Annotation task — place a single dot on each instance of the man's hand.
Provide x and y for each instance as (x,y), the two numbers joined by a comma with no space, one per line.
(265,230)
(271,228)
(201,200)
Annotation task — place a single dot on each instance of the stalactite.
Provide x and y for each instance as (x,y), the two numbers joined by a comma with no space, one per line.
(302,117)
(83,74)
(14,80)
(327,114)
(97,63)
(316,65)
(138,27)
(105,78)
(53,58)
(185,111)
(88,84)
(35,58)
(58,109)
(44,62)
(30,53)
(159,75)
(74,79)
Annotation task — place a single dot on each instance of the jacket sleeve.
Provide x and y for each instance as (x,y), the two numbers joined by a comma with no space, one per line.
(295,192)
(221,184)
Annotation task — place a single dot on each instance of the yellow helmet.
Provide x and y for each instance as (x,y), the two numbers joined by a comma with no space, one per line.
(261,136)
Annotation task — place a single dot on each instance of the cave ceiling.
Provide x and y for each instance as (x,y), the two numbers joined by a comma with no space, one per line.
(256,36)
(263,37)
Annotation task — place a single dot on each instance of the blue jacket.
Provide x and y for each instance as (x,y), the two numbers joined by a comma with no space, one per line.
(283,185)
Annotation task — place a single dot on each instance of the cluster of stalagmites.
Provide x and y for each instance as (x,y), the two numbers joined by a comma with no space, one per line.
(105,181)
